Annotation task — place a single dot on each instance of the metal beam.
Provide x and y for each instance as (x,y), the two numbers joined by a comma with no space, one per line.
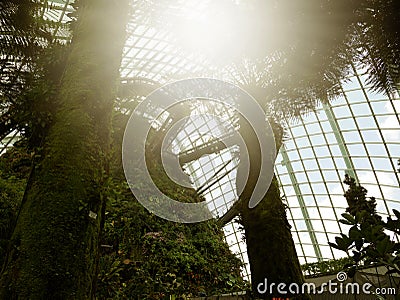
(230,214)
(342,145)
(303,207)
(211,147)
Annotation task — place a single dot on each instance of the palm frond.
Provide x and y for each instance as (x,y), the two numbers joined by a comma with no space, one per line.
(379,38)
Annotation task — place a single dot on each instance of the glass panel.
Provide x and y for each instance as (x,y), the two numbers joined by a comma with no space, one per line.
(152,54)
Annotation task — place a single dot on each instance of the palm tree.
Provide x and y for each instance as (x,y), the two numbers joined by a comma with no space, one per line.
(378,34)
(290,55)
(270,247)
(325,37)
(54,247)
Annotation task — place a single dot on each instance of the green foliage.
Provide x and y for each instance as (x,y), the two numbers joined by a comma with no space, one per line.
(358,203)
(146,257)
(30,69)
(379,36)
(20,27)
(368,238)
(36,104)
(54,247)
(14,167)
(332,266)
(11,192)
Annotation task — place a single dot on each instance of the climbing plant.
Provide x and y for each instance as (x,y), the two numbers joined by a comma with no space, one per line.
(145,256)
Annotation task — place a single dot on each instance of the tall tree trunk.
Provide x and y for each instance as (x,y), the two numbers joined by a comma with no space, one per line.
(270,247)
(54,248)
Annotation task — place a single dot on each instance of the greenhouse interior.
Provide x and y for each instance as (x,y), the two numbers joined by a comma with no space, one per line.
(182,149)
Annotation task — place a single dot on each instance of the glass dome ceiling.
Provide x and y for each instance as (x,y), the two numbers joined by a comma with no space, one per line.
(357,134)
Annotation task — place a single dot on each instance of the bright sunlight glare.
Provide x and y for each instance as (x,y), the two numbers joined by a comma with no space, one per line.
(223,30)
(210,30)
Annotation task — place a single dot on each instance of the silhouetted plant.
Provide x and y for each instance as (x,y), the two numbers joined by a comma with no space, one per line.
(368,238)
